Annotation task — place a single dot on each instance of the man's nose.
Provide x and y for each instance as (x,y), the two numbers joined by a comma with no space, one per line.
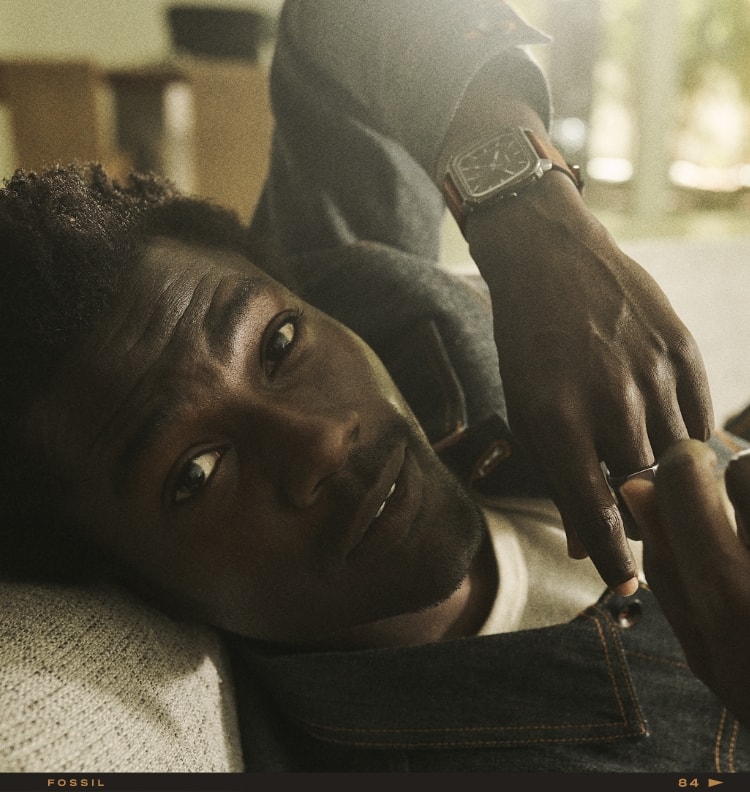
(308,447)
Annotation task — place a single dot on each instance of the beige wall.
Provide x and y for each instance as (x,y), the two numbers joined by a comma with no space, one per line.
(115,33)
(221,153)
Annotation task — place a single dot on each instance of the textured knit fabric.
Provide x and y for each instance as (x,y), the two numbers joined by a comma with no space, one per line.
(93,680)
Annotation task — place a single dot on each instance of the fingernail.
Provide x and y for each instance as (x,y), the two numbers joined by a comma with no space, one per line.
(628,587)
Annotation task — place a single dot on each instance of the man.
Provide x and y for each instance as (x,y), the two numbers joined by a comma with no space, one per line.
(182,420)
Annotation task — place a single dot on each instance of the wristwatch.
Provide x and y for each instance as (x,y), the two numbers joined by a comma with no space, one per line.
(500,168)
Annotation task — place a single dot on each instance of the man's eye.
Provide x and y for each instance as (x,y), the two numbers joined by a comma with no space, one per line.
(196,474)
(279,343)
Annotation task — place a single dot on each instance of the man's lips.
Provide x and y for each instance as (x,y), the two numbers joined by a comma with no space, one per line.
(388,511)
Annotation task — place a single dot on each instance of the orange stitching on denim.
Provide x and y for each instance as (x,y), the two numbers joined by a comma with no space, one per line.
(628,682)
(733,746)
(621,649)
(610,671)
(504,741)
(535,727)
(719,737)
(475,743)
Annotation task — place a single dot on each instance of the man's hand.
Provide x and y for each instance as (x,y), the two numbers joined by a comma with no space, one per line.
(697,565)
(595,364)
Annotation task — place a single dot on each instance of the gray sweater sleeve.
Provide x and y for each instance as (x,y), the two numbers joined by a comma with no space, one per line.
(408,62)
(363,93)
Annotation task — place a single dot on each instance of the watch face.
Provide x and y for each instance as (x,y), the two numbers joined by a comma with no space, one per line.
(496,164)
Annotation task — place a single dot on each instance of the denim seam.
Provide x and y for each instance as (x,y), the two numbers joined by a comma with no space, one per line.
(623,663)
(733,746)
(721,732)
(717,743)
(536,727)
(610,671)
(500,743)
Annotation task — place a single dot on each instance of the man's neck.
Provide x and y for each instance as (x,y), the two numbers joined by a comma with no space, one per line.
(462,614)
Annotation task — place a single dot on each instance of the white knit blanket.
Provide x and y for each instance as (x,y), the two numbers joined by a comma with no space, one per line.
(94,680)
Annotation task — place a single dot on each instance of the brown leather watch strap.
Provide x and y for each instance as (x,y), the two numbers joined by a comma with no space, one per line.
(454,202)
(548,151)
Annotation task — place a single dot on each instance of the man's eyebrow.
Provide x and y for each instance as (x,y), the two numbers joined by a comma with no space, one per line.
(145,437)
(224,317)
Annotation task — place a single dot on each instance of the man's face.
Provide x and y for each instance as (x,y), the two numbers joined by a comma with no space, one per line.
(248,459)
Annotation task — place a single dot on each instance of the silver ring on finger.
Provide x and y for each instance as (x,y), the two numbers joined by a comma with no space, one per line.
(646,473)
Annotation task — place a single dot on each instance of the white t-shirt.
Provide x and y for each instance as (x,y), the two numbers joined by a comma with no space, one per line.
(539,584)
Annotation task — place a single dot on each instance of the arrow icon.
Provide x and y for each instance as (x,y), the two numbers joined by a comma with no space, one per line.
(713,782)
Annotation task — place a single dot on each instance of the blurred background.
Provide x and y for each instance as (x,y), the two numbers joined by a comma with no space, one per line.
(652,99)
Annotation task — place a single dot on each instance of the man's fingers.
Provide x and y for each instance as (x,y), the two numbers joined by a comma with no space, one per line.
(639,496)
(577,550)
(590,515)
(592,521)
(602,533)
(670,581)
(625,445)
(692,508)
(737,478)
(693,393)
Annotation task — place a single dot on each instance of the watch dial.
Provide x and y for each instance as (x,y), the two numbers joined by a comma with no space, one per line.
(495,164)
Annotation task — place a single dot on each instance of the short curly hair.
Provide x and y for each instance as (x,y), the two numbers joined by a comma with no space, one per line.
(68,236)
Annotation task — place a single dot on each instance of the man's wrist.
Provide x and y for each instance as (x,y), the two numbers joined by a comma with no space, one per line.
(523,233)
(498,168)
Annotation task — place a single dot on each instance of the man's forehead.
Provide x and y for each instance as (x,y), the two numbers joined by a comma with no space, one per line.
(170,278)
(179,297)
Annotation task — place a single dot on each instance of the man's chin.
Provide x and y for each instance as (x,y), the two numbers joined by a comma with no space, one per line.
(425,598)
